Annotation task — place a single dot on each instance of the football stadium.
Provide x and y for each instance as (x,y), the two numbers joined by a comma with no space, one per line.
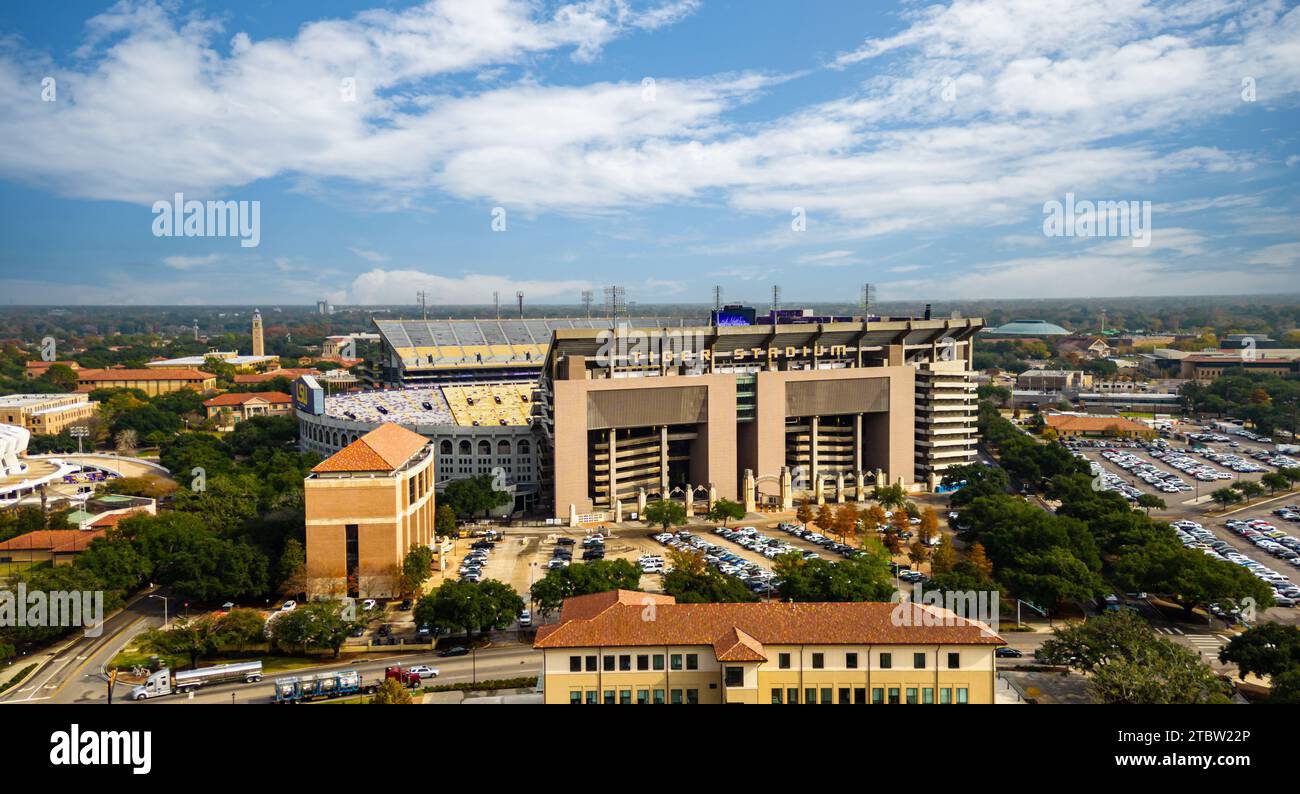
(760,409)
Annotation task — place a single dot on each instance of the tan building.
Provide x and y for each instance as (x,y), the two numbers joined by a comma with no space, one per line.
(756,414)
(1206,367)
(150,381)
(57,546)
(234,407)
(628,647)
(35,369)
(367,505)
(1053,380)
(1070,425)
(47,414)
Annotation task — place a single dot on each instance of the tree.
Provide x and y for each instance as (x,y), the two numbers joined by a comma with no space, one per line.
(291,572)
(584,578)
(725,510)
(944,558)
(1127,663)
(319,624)
(125,442)
(391,691)
(444,522)
(666,513)
(890,496)
(691,581)
(1275,481)
(918,553)
(976,556)
(469,606)
(846,520)
(1150,501)
(473,495)
(862,578)
(1268,649)
(417,567)
(241,627)
(873,518)
(825,518)
(1225,496)
(1286,688)
(804,514)
(193,638)
(1249,489)
(929,526)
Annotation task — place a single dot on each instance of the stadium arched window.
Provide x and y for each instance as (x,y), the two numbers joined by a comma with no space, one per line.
(465,447)
(484,447)
(503,447)
(445,447)
(525,447)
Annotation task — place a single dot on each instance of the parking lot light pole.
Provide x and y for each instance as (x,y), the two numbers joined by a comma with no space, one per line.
(164,600)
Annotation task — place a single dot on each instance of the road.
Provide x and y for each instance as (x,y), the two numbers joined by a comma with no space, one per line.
(72,674)
(511,661)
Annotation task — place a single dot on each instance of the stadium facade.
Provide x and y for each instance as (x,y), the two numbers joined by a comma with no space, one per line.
(589,419)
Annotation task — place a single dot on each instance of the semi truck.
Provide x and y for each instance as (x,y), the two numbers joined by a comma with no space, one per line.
(165,682)
(322,686)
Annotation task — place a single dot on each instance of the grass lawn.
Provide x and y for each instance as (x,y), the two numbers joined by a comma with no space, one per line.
(13,679)
(132,656)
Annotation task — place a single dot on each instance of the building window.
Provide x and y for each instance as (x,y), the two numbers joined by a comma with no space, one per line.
(792,695)
(877,695)
(735,676)
(893,696)
(827,696)
(918,661)
(643,661)
(675,697)
(945,696)
(776,695)
(783,661)
(911,696)
(851,661)
(593,697)
(591,664)
(675,661)
(351,555)
(658,661)
(954,661)
(625,662)
(642,697)
(927,695)
(692,661)
(609,663)
(819,661)
(465,448)
(575,664)
(692,696)
(625,697)
(809,695)
(886,661)
(575,697)
(860,696)
(963,695)
(844,696)
(659,697)
(609,697)
(444,448)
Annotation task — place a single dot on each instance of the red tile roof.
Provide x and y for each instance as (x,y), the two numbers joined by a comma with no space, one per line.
(738,631)
(1094,424)
(261,377)
(239,398)
(386,448)
(77,544)
(41,540)
(87,375)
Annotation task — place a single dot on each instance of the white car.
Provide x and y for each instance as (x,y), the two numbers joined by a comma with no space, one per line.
(289,606)
(423,671)
(525,618)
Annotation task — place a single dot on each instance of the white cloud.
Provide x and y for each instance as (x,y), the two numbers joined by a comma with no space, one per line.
(380,286)
(187,262)
(369,256)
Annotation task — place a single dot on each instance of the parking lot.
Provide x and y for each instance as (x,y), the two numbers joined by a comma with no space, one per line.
(1262,536)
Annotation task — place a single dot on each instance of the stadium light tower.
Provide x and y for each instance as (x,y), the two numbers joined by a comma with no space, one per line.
(717,296)
(868,298)
(586,302)
(520,297)
(776,303)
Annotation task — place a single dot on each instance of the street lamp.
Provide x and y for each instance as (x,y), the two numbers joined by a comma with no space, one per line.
(164,600)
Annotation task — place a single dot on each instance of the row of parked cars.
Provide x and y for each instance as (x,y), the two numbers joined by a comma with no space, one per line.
(811,536)
(1261,533)
(1163,481)
(471,568)
(757,578)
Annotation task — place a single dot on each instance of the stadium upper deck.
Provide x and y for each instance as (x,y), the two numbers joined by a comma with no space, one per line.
(447,351)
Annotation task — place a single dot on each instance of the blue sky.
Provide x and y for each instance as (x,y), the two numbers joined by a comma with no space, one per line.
(665,145)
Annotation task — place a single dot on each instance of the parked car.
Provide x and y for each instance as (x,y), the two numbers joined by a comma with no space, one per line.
(1008,653)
